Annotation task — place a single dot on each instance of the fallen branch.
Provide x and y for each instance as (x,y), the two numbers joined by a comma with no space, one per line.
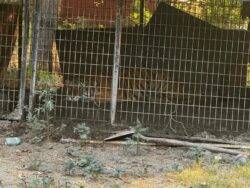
(194,139)
(176,143)
(74,141)
(229,146)
(222,148)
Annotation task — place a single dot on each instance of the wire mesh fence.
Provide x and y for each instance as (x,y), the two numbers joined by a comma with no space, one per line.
(9,55)
(182,64)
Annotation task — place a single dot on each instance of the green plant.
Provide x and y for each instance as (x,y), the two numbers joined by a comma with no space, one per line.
(35,181)
(65,24)
(79,23)
(118,172)
(88,165)
(37,128)
(40,182)
(134,18)
(46,87)
(134,142)
(47,83)
(175,167)
(198,154)
(58,131)
(83,131)
(216,160)
(221,13)
(130,146)
(70,167)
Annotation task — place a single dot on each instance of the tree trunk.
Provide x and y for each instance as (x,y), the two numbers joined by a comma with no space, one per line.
(46,35)
(8,26)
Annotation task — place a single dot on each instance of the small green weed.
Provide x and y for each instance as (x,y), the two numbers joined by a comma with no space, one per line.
(34,182)
(118,172)
(70,167)
(90,166)
(87,165)
(134,142)
(38,120)
(83,131)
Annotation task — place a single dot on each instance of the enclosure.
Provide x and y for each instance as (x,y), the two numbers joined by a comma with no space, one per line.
(174,65)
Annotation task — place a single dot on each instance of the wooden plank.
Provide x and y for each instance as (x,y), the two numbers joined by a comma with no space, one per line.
(120,135)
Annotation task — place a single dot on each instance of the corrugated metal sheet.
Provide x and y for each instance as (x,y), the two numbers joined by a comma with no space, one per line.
(97,11)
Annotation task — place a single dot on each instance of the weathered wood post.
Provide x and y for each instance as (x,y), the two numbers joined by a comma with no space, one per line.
(43,36)
(117,59)
(34,53)
(24,21)
(46,36)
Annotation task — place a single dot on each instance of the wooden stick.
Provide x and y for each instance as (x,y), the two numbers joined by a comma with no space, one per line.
(173,142)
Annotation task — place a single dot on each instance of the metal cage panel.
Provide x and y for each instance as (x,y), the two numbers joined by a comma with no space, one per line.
(182,66)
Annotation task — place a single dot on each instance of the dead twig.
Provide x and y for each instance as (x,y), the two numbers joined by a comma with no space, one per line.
(172,119)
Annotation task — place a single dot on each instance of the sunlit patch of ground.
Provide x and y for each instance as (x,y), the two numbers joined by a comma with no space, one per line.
(198,176)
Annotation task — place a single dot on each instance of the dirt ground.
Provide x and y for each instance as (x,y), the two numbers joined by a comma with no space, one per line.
(45,164)
(16,160)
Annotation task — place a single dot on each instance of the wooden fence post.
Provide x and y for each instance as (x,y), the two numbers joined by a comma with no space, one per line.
(34,53)
(24,50)
(117,59)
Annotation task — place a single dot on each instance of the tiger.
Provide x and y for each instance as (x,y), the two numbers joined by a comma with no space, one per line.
(135,84)
(148,85)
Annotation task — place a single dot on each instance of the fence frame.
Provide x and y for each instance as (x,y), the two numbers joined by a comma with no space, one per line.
(117,59)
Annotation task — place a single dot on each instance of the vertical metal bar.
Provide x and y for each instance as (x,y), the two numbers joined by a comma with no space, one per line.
(35,36)
(117,58)
(24,51)
(141,12)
